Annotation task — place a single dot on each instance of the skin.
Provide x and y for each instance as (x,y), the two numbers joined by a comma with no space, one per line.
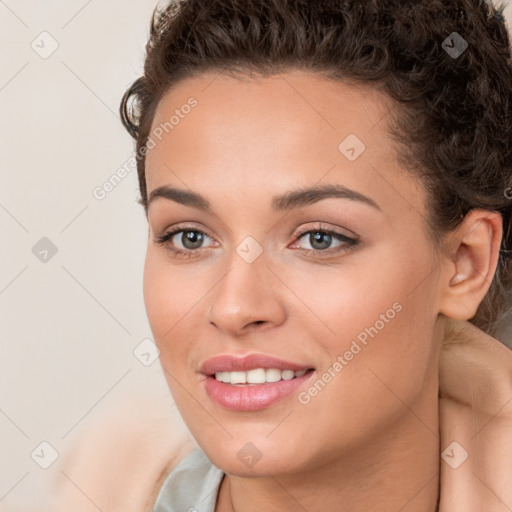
(370,437)
(475,382)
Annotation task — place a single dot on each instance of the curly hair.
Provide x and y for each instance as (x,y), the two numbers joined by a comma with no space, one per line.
(454,116)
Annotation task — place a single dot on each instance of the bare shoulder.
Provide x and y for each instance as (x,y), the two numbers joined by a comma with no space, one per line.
(120,461)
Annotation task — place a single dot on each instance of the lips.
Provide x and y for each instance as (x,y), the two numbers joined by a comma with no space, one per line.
(228,363)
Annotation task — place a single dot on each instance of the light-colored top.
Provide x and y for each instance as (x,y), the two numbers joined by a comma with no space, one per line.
(192,486)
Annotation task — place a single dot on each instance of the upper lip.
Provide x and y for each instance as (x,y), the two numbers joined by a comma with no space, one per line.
(229,363)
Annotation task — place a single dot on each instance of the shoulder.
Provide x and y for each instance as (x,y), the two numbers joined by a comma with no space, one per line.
(121,460)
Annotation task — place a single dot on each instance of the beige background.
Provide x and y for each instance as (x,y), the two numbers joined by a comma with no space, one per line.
(69,325)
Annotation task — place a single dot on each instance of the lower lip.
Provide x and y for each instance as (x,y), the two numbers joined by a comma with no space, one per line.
(252,397)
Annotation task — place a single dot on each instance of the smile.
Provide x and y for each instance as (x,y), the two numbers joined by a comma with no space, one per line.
(257,376)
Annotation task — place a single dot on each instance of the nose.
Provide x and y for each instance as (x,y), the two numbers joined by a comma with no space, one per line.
(246,297)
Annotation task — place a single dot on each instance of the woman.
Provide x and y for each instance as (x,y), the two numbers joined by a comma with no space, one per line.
(327,193)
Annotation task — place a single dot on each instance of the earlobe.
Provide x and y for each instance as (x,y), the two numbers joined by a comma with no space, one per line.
(471,264)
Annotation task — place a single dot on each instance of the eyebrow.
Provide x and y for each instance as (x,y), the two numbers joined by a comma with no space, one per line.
(297,198)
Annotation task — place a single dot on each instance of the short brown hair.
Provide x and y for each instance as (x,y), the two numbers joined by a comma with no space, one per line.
(455,115)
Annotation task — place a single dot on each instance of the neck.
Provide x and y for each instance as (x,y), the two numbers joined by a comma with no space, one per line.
(399,470)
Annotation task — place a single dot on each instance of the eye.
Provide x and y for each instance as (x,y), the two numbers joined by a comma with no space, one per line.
(186,242)
(321,240)
(190,240)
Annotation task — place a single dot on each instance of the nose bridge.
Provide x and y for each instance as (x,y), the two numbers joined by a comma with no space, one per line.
(243,295)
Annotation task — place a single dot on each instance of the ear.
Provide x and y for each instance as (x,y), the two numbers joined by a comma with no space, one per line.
(470,264)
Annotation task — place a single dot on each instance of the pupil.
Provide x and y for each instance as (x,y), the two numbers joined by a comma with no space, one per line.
(194,237)
(317,237)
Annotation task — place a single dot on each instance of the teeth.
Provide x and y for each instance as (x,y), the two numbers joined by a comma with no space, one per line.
(238,377)
(287,374)
(273,375)
(258,376)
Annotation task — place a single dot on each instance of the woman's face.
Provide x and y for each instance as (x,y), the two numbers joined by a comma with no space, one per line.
(359,307)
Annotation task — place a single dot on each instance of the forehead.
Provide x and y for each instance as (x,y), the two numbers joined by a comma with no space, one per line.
(297,106)
(255,133)
(308,92)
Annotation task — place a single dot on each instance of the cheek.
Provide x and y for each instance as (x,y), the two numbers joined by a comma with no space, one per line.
(167,300)
(378,315)
(381,332)
(156,291)
(170,293)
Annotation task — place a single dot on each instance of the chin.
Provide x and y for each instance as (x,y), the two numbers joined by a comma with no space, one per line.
(255,458)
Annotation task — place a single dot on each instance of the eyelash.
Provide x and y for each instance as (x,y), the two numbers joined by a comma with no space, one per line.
(349,243)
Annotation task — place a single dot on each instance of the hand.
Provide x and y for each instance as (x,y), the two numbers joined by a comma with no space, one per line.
(475,410)
(475,369)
